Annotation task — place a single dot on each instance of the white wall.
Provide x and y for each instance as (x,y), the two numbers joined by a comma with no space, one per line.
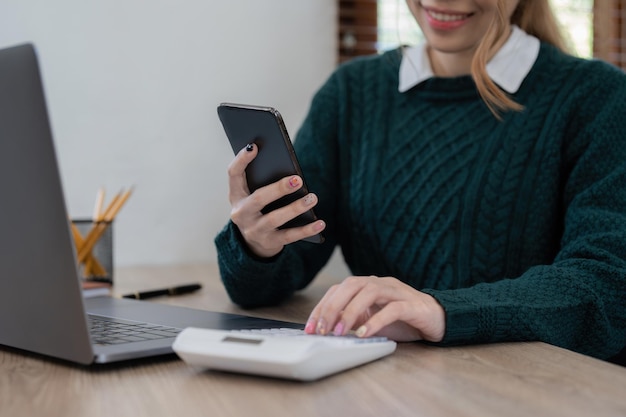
(132,87)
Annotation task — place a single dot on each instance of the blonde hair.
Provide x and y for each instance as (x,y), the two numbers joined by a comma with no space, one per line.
(534,17)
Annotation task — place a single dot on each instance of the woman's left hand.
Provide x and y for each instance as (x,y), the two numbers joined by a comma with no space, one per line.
(378,306)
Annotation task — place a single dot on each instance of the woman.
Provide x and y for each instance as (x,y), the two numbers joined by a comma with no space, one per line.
(475,185)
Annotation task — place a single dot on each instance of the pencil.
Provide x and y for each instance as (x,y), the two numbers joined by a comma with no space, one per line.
(113,209)
(91,266)
(97,210)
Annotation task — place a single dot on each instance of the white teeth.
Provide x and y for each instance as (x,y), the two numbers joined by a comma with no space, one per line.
(447,17)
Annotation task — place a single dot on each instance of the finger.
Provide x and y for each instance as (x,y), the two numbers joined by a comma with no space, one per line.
(257,233)
(282,215)
(237,183)
(389,314)
(248,209)
(418,316)
(261,231)
(311,323)
(331,309)
(274,191)
(294,234)
(373,292)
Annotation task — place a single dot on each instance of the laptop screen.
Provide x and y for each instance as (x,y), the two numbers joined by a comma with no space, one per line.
(41,307)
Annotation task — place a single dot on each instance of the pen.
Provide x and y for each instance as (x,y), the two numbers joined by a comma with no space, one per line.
(181,289)
(100,279)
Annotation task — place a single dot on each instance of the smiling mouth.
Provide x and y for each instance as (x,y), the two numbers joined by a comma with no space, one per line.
(446,17)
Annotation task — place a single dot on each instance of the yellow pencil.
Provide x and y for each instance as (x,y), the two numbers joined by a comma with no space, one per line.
(97,210)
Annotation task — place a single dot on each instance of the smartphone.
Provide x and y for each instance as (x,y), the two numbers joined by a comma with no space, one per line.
(276,157)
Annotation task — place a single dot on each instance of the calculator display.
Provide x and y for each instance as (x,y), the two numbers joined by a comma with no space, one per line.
(233,339)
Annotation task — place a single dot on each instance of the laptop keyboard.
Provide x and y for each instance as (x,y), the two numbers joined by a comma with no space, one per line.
(110,331)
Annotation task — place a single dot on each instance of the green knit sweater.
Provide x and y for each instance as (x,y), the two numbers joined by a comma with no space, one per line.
(517,227)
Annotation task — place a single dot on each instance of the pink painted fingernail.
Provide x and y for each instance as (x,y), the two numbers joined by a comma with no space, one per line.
(294,181)
(308,199)
(338,330)
(310,326)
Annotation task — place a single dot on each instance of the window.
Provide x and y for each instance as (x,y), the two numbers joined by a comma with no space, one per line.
(576,18)
(396,25)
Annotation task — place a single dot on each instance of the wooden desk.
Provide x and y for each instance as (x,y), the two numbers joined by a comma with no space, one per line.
(512,379)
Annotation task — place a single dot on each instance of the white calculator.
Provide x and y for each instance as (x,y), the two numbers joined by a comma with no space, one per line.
(281,353)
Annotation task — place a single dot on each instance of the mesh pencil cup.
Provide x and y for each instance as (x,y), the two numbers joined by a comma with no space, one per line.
(97,264)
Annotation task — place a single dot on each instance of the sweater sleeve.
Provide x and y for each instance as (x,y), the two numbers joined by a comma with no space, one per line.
(251,281)
(579,301)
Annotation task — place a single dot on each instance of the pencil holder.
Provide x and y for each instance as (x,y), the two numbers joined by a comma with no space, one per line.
(94,240)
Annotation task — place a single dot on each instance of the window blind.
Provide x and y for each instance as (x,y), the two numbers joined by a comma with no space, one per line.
(357,28)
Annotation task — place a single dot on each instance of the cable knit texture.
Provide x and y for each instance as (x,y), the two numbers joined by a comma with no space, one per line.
(517,227)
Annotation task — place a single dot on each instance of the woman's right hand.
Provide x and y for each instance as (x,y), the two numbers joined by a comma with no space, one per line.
(259,230)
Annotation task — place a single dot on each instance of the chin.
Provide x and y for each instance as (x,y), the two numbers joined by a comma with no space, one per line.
(449,46)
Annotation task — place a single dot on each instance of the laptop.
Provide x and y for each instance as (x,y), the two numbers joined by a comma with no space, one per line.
(42,309)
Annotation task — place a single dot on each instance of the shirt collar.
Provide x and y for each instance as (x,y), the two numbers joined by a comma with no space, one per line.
(508,68)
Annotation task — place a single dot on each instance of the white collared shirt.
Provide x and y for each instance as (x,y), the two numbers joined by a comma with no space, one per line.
(508,68)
